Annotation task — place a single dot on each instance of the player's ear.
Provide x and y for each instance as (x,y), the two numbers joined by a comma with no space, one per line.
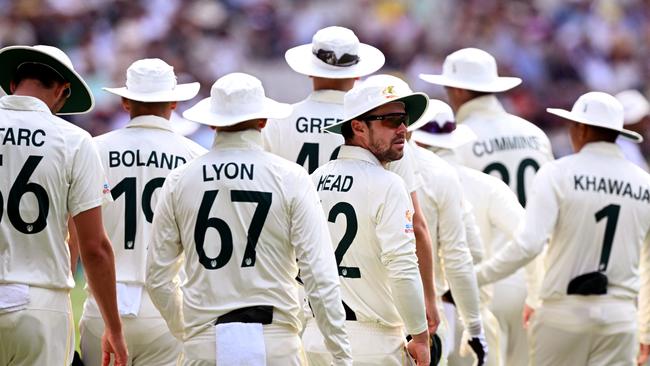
(358,126)
(126,105)
(173,105)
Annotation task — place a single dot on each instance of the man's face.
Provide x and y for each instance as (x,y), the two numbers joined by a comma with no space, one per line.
(386,138)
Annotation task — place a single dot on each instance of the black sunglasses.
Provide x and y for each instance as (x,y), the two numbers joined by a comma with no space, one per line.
(329,57)
(393,119)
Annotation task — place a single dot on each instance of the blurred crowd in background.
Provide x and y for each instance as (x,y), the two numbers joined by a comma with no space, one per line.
(560,48)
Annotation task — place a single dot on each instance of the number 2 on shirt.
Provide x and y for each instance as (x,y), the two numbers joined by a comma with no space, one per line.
(348,237)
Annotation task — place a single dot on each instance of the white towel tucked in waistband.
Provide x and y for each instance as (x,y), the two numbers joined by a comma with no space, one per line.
(240,344)
(129,298)
(13,297)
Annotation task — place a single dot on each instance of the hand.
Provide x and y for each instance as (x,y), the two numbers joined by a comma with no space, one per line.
(113,343)
(418,348)
(433,318)
(644,354)
(476,345)
(526,315)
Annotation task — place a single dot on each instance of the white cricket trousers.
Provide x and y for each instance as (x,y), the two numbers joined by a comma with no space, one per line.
(507,305)
(148,340)
(41,334)
(584,331)
(282,344)
(371,344)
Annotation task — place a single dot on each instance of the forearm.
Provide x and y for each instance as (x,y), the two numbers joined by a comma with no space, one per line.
(99,264)
(73,244)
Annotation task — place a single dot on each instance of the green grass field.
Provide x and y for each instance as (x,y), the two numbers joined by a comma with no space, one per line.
(78,296)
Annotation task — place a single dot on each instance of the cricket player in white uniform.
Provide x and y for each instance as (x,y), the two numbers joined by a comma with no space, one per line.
(371,224)
(508,147)
(50,171)
(593,209)
(334,61)
(137,159)
(495,207)
(236,220)
(442,204)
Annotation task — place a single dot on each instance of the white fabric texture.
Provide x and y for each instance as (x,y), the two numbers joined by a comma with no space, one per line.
(388,289)
(13,296)
(59,160)
(293,228)
(240,344)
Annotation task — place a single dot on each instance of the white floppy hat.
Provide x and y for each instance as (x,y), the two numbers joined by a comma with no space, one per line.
(472,69)
(635,106)
(438,128)
(600,110)
(153,80)
(11,58)
(335,53)
(376,91)
(234,98)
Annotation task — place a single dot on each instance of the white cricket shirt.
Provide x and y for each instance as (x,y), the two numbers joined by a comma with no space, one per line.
(441,199)
(371,223)
(137,159)
(236,219)
(301,137)
(508,147)
(593,207)
(49,169)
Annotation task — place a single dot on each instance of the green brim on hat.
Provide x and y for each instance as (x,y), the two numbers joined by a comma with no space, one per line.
(80,100)
(414,104)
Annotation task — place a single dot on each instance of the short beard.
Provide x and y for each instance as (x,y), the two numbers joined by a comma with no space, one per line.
(384,153)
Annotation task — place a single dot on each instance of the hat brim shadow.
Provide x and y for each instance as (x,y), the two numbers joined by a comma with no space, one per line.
(415,105)
(180,93)
(302,60)
(80,100)
(202,113)
(630,135)
(501,84)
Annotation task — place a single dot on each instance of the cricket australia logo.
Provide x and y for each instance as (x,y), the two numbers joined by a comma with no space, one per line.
(389,92)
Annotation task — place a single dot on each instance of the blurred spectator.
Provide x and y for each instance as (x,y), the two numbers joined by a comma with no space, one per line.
(560,48)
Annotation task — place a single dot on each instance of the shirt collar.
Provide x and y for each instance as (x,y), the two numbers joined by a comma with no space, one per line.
(327,96)
(150,121)
(485,103)
(247,139)
(23,103)
(602,147)
(358,153)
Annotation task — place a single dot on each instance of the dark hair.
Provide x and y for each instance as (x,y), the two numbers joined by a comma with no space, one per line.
(37,71)
(605,134)
(346,131)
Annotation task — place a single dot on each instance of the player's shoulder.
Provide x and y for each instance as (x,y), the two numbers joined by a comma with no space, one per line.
(481,179)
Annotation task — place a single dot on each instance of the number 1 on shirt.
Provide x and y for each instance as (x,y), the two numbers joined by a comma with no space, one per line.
(611,213)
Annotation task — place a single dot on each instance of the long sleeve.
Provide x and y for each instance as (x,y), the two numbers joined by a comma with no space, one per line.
(456,256)
(644,293)
(164,260)
(398,255)
(539,221)
(311,239)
